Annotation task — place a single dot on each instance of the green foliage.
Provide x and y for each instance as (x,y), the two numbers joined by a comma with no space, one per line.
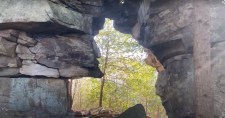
(129,80)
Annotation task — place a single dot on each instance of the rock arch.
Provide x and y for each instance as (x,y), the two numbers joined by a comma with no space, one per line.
(46,39)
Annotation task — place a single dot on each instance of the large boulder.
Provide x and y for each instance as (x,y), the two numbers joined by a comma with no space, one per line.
(138,111)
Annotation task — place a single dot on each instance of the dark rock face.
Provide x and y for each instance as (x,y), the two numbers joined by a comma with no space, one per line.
(170,38)
(175,86)
(218,77)
(137,111)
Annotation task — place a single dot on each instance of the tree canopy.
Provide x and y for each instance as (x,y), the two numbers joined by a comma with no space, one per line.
(128,80)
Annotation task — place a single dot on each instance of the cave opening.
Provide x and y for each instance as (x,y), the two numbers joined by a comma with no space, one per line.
(43,44)
(127,79)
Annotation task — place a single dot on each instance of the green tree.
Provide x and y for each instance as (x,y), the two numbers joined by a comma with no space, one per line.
(127,80)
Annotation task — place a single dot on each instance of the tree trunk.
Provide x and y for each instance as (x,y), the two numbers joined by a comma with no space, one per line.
(103,79)
(116,98)
(202,66)
(158,112)
(80,94)
(70,98)
(74,88)
(146,103)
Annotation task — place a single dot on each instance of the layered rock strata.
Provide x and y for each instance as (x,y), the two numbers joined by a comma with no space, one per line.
(171,39)
(44,43)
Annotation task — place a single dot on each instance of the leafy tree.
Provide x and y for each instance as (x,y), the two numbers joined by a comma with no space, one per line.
(127,81)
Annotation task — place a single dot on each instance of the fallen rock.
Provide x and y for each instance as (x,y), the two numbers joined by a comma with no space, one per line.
(73,72)
(6,61)
(95,111)
(138,111)
(24,52)
(33,69)
(26,40)
(11,35)
(105,113)
(81,113)
(7,48)
(9,72)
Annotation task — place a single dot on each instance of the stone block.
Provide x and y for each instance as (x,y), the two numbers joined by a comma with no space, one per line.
(10,35)
(73,72)
(9,61)
(24,52)
(33,69)
(7,48)
(23,97)
(26,40)
(65,51)
(7,72)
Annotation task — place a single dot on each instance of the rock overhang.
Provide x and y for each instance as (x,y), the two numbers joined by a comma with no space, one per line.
(42,16)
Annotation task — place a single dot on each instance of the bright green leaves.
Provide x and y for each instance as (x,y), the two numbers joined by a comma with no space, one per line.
(129,80)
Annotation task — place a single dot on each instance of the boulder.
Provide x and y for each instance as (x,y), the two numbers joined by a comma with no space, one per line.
(24,52)
(26,40)
(138,111)
(105,113)
(7,48)
(95,111)
(81,113)
(32,69)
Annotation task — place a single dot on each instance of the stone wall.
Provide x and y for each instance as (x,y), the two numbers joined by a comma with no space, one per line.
(43,43)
